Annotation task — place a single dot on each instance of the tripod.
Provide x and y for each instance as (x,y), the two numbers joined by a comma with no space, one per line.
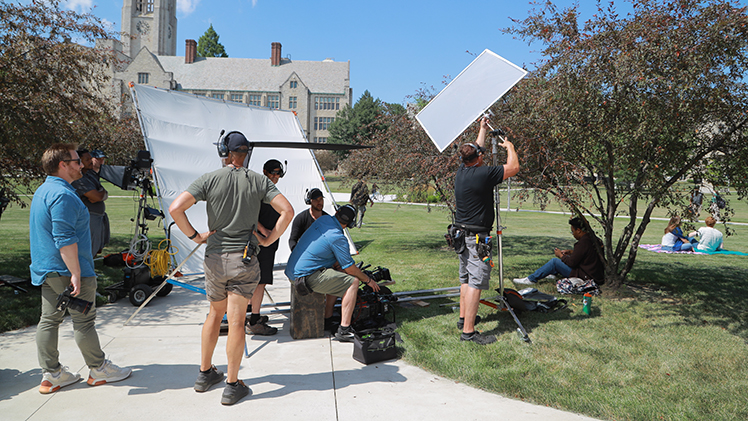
(503,304)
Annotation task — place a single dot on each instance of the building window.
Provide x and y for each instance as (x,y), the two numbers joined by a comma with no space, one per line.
(326,103)
(274,101)
(255,100)
(291,102)
(294,84)
(143,77)
(237,97)
(320,140)
(322,123)
(149,6)
(216,96)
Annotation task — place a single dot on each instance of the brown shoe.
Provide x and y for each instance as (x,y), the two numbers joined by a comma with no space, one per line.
(260,329)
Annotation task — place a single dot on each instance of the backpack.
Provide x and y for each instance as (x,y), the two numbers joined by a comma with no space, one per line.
(577,286)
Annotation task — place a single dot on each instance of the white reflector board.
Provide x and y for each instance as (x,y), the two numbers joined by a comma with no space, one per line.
(468,96)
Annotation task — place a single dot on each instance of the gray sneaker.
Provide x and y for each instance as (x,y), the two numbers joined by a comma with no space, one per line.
(478,338)
(52,382)
(233,394)
(206,380)
(345,334)
(107,373)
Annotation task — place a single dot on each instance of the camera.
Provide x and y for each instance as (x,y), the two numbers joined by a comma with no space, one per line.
(379,274)
(136,174)
(67,301)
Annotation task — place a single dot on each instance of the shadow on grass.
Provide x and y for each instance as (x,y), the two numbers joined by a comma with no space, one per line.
(711,294)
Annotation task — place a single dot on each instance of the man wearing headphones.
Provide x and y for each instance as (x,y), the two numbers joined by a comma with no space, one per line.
(93,195)
(322,260)
(233,195)
(304,219)
(474,185)
(257,324)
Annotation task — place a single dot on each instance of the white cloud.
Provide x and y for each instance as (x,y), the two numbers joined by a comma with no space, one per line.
(80,6)
(186,7)
(254,3)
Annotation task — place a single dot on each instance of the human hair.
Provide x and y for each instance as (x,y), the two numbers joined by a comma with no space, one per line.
(54,155)
(468,153)
(672,224)
(710,221)
(578,223)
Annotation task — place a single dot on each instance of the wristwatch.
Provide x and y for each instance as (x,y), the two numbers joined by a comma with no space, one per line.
(192,237)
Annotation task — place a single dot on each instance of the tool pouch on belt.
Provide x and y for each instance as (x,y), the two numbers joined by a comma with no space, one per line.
(483,246)
(301,287)
(455,238)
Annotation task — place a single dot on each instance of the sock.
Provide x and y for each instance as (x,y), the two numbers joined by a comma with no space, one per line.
(254,318)
(468,335)
(462,320)
(345,328)
(233,384)
(206,371)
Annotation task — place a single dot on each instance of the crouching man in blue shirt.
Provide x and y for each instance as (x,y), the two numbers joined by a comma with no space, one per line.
(323,258)
(60,239)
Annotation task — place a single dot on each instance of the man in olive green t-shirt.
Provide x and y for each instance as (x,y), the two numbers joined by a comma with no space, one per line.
(233,195)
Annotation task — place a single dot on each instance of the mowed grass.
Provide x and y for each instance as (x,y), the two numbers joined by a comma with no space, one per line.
(671,344)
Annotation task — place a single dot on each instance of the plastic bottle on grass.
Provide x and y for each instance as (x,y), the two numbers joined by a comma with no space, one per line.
(587,301)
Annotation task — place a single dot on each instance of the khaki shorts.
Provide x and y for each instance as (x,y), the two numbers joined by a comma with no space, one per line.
(330,282)
(473,271)
(225,272)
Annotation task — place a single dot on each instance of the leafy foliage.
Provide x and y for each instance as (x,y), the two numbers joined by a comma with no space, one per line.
(208,45)
(356,124)
(51,91)
(649,97)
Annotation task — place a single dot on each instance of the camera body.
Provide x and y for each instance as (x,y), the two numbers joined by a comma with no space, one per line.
(136,174)
(67,301)
(379,274)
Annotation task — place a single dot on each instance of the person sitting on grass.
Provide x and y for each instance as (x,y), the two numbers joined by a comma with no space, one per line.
(710,239)
(674,239)
(582,262)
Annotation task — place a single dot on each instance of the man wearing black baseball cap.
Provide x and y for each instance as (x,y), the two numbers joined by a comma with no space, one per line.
(93,195)
(233,195)
(322,262)
(304,219)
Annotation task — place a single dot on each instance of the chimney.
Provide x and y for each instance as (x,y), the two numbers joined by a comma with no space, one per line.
(275,54)
(190,51)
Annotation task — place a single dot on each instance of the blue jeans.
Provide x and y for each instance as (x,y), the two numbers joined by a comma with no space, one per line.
(553,266)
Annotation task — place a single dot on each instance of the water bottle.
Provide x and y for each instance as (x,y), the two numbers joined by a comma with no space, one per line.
(587,301)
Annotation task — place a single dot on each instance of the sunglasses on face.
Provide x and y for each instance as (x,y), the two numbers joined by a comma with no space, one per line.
(277,171)
(77,160)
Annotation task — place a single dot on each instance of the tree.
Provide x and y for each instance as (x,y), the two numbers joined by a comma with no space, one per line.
(650,97)
(50,91)
(354,125)
(208,45)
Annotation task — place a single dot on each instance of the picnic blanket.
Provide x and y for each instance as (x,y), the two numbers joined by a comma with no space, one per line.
(657,248)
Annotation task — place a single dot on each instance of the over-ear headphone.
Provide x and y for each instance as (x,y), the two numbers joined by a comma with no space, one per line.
(308,195)
(223,143)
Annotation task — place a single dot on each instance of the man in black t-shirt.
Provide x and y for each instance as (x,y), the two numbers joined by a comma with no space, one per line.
(304,219)
(257,324)
(474,185)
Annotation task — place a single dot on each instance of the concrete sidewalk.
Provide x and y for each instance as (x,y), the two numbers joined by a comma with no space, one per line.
(311,379)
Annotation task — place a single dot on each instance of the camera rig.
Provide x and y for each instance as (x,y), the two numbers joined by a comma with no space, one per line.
(374,308)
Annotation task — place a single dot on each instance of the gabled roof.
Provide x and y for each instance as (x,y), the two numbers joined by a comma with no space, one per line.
(246,74)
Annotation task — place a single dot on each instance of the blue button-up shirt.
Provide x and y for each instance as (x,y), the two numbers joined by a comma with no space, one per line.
(57,219)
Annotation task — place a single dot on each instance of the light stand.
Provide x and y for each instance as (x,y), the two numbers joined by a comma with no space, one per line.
(521,332)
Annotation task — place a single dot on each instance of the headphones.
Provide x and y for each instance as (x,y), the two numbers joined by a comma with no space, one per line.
(478,150)
(223,143)
(279,165)
(308,195)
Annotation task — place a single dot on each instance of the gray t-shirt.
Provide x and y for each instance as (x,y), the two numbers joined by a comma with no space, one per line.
(233,197)
(89,181)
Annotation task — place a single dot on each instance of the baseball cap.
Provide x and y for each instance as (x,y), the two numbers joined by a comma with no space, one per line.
(346,214)
(97,153)
(237,142)
(315,193)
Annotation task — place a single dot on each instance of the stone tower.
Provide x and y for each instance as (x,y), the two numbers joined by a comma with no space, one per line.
(149,23)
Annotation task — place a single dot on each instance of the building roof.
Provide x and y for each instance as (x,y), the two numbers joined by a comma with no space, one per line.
(246,74)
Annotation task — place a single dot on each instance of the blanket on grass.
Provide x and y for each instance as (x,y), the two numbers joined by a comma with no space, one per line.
(657,248)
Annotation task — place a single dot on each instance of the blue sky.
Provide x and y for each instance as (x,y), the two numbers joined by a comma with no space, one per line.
(394,47)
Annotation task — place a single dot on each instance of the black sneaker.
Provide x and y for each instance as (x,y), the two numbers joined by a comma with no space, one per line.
(233,394)
(478,338)
(461,323)
(206,380)
(344,334)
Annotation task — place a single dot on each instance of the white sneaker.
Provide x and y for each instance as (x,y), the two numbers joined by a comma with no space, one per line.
(107,373)
(52,382)
(550,277)
(524,281)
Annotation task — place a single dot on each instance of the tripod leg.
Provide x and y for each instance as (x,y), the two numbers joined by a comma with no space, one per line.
(520,329)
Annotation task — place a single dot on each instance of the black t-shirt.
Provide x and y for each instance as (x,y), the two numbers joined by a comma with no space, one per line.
(268,217)
(474,194)
(300,224)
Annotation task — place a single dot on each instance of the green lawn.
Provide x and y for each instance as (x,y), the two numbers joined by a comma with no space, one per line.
(671,344)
